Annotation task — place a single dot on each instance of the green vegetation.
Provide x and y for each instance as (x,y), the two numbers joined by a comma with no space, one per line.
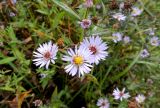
(26,24)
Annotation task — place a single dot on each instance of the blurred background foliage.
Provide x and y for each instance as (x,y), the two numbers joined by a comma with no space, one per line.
(38,21)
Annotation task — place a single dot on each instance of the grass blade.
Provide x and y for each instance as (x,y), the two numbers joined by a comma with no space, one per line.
(7,60)
(66,8)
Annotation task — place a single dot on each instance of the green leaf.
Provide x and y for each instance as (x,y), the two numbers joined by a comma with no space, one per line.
(57,19)
(54,95)
(92,78)
(7,60)
(104,9)
(66,8)
(147,63)
(17,53)
(123,104)
(43,12)
(6,88)
(44,82)
(114,78)
(11,34)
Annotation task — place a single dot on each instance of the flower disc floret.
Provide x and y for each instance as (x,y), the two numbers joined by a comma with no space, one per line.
(78,60)
(93,49)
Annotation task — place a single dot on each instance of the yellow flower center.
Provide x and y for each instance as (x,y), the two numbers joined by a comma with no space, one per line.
(78,60)
(154,41)
(135,11)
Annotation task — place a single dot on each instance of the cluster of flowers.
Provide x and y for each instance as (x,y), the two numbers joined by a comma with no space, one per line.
(81,58)
(119,37)
(135,12)
(154,41)
(85,23)
(119,95)
(91,51)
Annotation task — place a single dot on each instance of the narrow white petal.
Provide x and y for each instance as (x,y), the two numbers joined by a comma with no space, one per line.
(74,70)
(69,67)
(53,61)
(47,64)
(38,59)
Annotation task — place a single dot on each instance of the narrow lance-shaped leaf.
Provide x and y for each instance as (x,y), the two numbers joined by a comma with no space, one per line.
(7,60)
(66,8)
(44,12)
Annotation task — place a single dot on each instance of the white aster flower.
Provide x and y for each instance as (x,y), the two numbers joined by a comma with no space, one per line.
(13,1)
(1,44)
(120,95)
(126,39)
(154,41)
(121,6)
(151,31)
(151,94)
(38,103)
(119,16)
(79,61)
(144,53)
(103,103)
(140,98)
(12,14)
(117,37)
(97,47)
(136,11)
(85,23)
(98,6)
(88,3)
(45,54)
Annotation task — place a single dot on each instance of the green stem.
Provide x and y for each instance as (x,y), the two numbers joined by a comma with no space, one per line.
(115,78)
(82,88)
(105,76)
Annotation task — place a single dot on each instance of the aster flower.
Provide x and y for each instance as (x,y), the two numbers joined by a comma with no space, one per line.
(13,1)
(117,37)
(149,81)
(103,103)
(154,41)
(97,47)
(85,23)
(98,6)
(12,14)
(126,39)
(121,6)
(140,98)
(144,53)
(151,31)
(119,16)
(151,94)
(1,44)
(46,53)
(120,95)
(88,3)
(136,11)
(2,27)
(79,61)
(37,103)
